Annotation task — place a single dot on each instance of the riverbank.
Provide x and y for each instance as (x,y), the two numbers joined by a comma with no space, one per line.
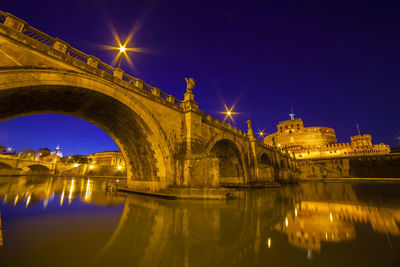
(367,179)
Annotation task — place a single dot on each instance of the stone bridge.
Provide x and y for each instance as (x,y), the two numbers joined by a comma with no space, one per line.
(10,165)
(165,142)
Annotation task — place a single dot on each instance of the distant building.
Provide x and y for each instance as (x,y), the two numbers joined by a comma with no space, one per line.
(107,158)
(55,155)
(320,142)
(292,133)
(57,152)
(44,152)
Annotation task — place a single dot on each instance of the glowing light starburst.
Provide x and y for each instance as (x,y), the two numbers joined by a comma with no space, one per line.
(228,114)
(122,48)
(261,133)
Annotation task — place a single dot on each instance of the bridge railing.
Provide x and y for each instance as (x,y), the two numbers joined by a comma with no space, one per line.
(63,47)
(2,17)
(38,35)
(106,68)
(221,124)
(77,54)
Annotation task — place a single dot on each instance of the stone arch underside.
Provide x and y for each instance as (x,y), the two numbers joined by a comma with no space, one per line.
(230,163)
(130,132)
(5,168)
(37,168)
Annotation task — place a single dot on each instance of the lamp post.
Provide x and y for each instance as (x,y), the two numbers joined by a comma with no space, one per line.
(261,134)
(228,114)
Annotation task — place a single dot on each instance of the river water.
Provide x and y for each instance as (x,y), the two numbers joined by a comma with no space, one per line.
(74,222)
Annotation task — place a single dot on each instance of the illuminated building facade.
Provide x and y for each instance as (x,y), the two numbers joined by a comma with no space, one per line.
(320,142)
(292,133)
(107,158)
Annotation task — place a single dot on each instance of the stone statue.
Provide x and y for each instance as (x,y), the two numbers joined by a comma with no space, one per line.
(250,130)
(249,124)
(189,84)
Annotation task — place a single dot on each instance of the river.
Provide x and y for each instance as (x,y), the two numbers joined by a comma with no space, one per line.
(47,221)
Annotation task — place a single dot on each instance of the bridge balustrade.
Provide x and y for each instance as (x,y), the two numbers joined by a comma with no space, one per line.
(2,17)
(106,68)
(39,36)
(77,54)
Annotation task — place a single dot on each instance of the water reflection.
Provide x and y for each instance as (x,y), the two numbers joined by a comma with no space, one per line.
(31,190)
(313,223)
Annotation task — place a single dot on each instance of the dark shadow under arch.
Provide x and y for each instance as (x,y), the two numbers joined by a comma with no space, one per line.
(125,127)
(39,169)
(265,159)
(230,164)
(4,166)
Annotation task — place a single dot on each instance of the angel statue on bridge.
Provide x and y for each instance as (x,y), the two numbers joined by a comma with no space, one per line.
(189,84)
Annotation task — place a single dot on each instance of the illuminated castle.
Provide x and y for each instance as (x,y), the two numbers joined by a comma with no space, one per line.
(320,142)
(292,133)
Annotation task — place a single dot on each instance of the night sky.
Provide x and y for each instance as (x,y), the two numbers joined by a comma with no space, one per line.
(336,62)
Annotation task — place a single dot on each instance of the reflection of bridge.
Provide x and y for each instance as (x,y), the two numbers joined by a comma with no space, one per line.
(165,142)
(20,166)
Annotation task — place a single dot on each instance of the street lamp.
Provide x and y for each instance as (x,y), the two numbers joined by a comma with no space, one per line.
(122,50)
(261,133)
(228,114)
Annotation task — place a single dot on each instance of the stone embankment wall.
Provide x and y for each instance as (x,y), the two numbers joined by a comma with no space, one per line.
(375,167)
(383,166)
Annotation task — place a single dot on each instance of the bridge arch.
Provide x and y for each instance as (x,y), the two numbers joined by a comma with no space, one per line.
(266,159)
(231,165)
(5,167)
(135,130)
(36,168)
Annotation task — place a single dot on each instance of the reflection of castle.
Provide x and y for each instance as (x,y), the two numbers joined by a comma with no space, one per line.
(320,142)
(314,222)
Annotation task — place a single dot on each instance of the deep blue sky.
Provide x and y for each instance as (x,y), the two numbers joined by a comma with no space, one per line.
(336,62)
